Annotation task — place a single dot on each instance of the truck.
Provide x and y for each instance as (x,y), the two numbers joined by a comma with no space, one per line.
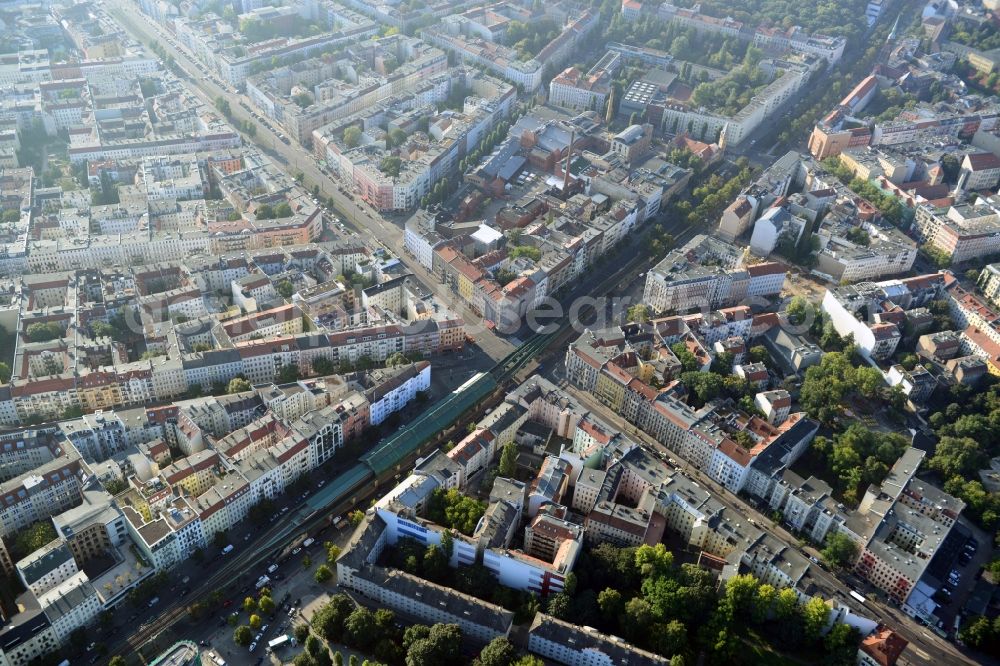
(858,596)
(262,581)
(228,549)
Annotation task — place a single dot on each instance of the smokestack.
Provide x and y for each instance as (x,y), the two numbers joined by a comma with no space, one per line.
(569,155)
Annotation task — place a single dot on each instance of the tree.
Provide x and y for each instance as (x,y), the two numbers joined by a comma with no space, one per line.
(100,329)
(815,613)
(328,622)
(414,633)
(237,385)
(979,633)
(799,310)
(43,331)
(498,652)
(266,605)
(390,166)
(638,313)
(741,594)
(435,563)
(323,366)
(669,638)
(841,645)
(396,360)
(994,569)
(243,635)
(223,106)
(288,374)
(396,137)
(249,604)
(508,460)
(360,628)
(255,622)
(117,660)
(528,660)
(441,647)
(958,456)
(704,386)
(653,560)
(638,617)
(332,553)
(32,538)
(758,354)
(786,604)
(301,632)
(356,517)
(689,362)
(352,136)
(455,510)
(285,288)
(323,574)
(559,606)
(763,603)
(306,562)
(840,550)
(313,645)
(611,604)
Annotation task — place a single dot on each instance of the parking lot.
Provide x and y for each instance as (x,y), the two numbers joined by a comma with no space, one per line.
(296,594)
(959,569)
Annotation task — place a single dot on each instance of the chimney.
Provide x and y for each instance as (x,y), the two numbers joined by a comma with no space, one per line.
(569,155)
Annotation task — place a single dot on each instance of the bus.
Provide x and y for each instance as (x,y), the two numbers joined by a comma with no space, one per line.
(279,641)
(858,596)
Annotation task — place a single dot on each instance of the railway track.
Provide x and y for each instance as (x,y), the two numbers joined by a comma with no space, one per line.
(316,518)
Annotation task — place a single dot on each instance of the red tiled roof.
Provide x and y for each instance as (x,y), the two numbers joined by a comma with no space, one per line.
(766,268)
(884,646)
(983,161)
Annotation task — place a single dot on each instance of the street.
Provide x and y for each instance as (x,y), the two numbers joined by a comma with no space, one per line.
(925,648)
(254,546)
(365,221)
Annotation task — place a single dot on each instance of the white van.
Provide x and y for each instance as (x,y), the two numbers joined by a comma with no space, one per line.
(228,549)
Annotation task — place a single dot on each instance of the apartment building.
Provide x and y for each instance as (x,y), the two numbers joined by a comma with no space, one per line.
(989,283)
(50,488)
(707,272)
(883,306)
(579,91)
(47,567)
(569,644)
(404,593)
(912,520)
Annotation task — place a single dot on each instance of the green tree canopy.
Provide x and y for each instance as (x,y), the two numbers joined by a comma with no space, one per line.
(238,385)
(839,550)
(352,136)
(243,635)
